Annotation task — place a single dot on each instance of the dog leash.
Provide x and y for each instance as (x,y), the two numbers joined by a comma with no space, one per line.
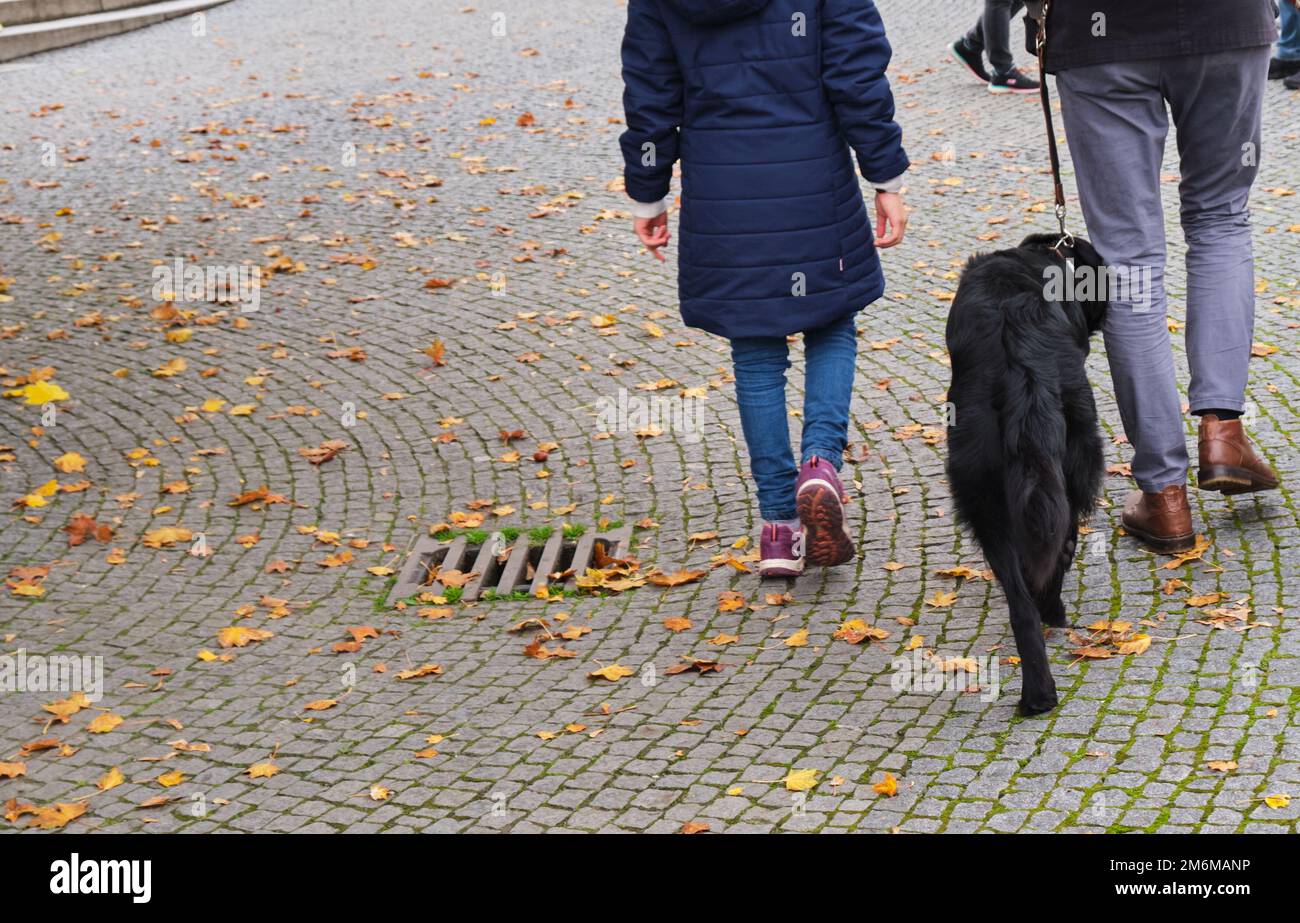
(1058,188)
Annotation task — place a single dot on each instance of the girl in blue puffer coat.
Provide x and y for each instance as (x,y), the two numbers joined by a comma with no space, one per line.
(764,103)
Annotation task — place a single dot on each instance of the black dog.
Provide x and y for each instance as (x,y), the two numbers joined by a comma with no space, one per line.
(1024,449)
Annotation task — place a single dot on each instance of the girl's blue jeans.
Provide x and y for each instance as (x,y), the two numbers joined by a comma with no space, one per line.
(760,364)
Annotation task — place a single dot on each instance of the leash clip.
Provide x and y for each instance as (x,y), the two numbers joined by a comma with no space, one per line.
(1066,239)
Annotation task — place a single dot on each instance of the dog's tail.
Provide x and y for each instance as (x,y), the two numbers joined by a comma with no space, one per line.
(1034,439)
(1039,514)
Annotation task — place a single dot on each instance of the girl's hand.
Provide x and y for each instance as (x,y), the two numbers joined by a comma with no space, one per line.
(653,232)
(891,219)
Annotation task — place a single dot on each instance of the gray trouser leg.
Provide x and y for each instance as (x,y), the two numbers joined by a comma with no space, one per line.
(1217,104)
(1116,123)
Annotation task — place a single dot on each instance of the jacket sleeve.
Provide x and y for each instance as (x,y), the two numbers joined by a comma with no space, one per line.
(855,54)
(652,103)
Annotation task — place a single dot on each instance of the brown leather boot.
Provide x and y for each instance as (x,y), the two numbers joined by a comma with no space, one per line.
(1228,460)
(1163,521)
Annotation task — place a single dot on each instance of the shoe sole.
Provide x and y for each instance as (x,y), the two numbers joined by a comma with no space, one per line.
(1003,91)
(825,543)
(1230,480)
(966,66)
(1165,544)
(779,567)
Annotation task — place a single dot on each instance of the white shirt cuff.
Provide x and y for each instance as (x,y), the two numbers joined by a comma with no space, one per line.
(649,209)
(892,185)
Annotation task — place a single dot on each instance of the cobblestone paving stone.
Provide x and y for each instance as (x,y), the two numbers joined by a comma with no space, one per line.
(284,90)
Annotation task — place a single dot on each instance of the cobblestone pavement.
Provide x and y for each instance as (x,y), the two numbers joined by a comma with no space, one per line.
(233,147)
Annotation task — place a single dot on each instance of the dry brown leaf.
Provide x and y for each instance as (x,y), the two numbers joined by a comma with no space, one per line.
(730,601)
(855,631)
(675,579)
(323,452)
(55,816)
(428,669)
(241,635)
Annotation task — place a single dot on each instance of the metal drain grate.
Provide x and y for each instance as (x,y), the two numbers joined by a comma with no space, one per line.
(502,566)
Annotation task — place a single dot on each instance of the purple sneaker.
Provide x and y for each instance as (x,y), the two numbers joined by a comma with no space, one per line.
(820,497)
(780,550)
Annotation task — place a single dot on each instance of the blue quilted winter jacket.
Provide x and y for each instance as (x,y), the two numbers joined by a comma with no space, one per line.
(763,102)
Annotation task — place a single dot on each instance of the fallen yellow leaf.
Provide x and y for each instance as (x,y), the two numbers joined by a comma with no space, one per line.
(241,635)
(111,779)
(70,462)
(56,815)
(104,723)
(800,780)
(614,672)
(43,392)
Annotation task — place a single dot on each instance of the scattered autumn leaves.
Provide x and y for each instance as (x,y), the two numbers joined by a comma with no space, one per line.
(179,326)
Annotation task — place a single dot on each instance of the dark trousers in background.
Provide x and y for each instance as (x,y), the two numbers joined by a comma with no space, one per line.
(992,33)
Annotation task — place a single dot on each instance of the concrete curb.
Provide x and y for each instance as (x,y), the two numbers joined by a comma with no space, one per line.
(114,17)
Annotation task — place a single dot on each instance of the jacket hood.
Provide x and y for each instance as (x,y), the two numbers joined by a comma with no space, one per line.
(716,12)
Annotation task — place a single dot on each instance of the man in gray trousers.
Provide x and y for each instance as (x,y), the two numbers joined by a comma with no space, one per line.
(1119,64)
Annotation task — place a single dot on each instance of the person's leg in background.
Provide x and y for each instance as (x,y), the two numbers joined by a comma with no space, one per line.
(830,354)
(1286,61)
(1217,104)
(969,50)
(760,365)
(992,34)
(1116,125)
(1004,76)
(996,30)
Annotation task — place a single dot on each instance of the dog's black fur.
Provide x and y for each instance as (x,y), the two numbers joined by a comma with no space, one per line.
(1024,450)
